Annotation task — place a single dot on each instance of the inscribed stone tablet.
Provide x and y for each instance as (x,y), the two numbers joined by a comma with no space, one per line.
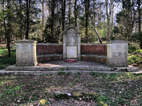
(71,52)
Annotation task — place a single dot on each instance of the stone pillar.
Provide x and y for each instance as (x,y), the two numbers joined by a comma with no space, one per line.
(26,53)
(117,52)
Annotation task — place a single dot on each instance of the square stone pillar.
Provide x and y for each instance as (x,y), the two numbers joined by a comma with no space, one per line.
(117,52)
(26,53)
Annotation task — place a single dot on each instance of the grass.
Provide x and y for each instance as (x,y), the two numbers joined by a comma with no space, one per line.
(113,89)
(5,60)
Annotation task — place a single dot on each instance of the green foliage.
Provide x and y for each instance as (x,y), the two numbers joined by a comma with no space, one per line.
(136,57)
(12,90)
(92,73)
(60,72)
(138,52)
(102,32)
(133,59)
(6,61)
(14,15)
(121,15)
(52,30)
(67,73)
(115,29)
(136,37)
(131,48)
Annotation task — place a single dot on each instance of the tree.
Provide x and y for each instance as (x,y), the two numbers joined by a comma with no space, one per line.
(27,17)
(75,12)
(13,20)
(126,19)
(52,29)
(109,14)
(63,5)
(139,21)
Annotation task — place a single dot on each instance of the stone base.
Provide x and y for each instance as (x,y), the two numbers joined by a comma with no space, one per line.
(94,58)
(76,66)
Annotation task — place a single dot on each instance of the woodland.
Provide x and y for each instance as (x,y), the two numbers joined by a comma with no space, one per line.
(45,20)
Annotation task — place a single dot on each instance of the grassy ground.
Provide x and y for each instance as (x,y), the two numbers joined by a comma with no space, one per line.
(113,89)
(4,59)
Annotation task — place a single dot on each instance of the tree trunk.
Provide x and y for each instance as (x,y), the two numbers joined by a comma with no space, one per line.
(139,12)
(43,15)
(108,21)
(69,13)
(75,12)
(20,21)
(94,27)
(98,35)
(52,18)
(8,31)
(111,18)
(27,14)
(94,2)
(86,16)
(63,14)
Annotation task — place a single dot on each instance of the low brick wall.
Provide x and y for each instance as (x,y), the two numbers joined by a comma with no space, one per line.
(96,49)
(49,48)
(94,52)
(49,52)
(46,58)
(89,52)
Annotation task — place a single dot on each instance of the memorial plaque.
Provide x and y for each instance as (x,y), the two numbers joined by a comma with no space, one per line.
(71,43)
(71,52)
(71,37)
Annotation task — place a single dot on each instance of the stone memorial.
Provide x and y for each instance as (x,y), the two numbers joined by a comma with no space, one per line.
(71,43)
(26,53)
(117,52)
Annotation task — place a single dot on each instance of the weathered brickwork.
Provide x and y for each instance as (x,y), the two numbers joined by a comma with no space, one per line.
(86,51)
(46,59)
(49,49)
(94,49)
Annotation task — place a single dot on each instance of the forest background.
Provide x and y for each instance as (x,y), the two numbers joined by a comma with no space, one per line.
(98,20)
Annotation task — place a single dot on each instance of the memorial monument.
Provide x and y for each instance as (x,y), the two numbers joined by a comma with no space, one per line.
(71,43)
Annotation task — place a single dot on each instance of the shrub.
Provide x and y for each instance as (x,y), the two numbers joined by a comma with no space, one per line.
(136,56)
(131,49)
(60,72)
(133,59)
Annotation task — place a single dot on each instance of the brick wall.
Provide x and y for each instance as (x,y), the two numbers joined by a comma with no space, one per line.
(89,52)
(43,49)
(100,49)
(46,59)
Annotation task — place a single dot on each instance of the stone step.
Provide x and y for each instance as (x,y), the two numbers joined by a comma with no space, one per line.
(57,68)
(31,72)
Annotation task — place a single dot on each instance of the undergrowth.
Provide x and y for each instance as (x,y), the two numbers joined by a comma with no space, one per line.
(4,59)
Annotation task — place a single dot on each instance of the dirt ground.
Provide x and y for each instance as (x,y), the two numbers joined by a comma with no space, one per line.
(112,89)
